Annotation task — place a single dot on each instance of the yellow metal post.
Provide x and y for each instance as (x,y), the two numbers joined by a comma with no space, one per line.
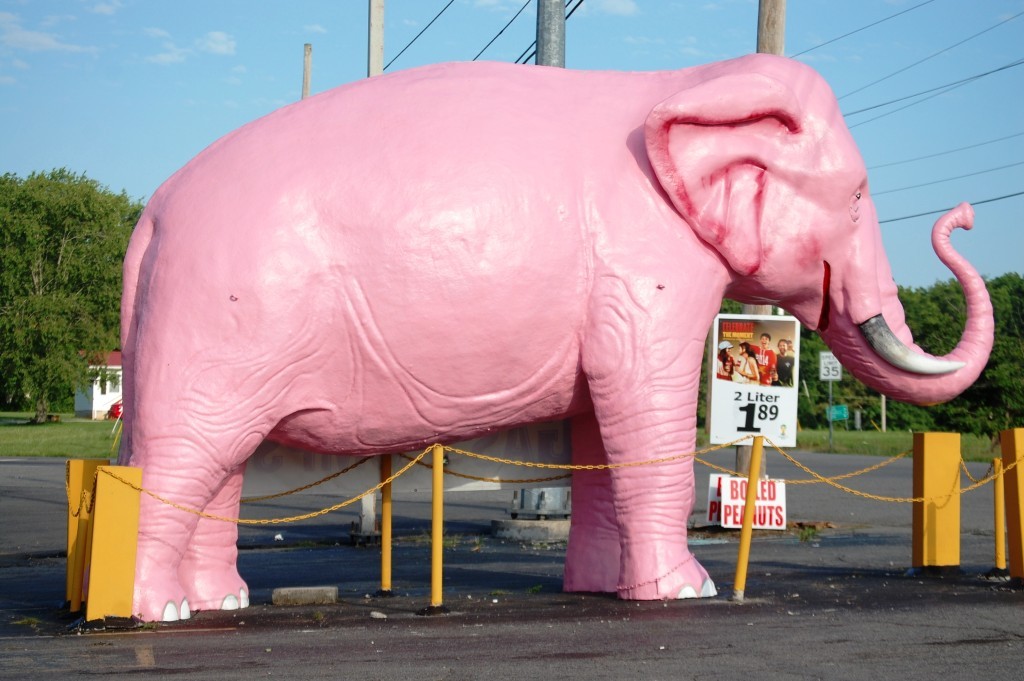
(999,501)
(935,544)
(385,527)
(437,534)
(115,534)
(1013,479)
(79,475)
(747,531)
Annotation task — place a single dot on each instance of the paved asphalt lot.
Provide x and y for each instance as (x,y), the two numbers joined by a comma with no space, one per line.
(839,605)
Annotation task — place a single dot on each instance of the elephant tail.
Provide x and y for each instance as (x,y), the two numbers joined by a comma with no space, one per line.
(138,247)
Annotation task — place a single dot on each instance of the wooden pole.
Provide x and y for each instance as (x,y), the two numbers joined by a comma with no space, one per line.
(307,68)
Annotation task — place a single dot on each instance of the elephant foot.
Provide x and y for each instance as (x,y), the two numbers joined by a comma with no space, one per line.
(688,579)
(218,590)
(150,606)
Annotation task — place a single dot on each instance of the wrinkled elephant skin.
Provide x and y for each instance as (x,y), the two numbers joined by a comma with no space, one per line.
(436,254)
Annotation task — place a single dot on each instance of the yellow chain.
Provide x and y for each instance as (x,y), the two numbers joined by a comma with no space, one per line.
(87,497)
(268,521)
(596,466)
(876,497)
(85,500)
(332,476)
(467,476)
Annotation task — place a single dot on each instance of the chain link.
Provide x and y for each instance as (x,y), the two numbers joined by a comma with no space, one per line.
(88,497)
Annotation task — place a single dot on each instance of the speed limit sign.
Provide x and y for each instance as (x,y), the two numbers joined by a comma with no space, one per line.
(829,368)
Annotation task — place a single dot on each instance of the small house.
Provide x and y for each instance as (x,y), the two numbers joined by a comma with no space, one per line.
(96,399)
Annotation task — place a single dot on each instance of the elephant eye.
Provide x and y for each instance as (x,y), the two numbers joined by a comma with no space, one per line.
(857,195)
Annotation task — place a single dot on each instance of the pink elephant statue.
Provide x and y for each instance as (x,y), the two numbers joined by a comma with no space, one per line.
(438,253)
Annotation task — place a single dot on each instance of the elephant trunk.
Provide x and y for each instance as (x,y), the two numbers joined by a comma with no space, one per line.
(906,373)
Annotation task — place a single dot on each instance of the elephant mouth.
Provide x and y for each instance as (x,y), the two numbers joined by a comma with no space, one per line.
(826,298)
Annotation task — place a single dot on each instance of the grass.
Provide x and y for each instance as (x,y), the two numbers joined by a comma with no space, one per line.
(82,438)
(71,438)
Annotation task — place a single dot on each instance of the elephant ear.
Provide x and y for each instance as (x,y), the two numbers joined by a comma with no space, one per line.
(713,147)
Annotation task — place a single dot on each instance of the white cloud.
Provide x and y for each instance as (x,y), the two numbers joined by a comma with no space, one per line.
(156,33)
(622,8)
(216,42)
(13,35)
(172,54)
(315,28)
(7,80)
(108,8)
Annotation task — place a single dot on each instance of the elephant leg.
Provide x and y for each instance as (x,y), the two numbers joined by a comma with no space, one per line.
(209,568)
(642,362)
(592,556)
(184,470)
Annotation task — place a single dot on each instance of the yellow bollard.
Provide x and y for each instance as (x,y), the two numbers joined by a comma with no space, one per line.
(1013,480)
(747,531)
(115,532)
(436,534)
(935,545)
(385,528)
(999,501)
(80,475)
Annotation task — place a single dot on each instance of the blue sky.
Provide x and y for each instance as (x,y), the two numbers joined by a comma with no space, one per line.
(127,91)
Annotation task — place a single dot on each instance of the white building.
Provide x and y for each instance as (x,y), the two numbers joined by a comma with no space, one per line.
(96,400)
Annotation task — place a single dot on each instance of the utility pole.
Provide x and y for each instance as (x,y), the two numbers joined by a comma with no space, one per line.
(771,39)
(307,68)
(550,33)
(375,56)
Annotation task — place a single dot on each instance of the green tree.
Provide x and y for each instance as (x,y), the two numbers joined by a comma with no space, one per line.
(62,244)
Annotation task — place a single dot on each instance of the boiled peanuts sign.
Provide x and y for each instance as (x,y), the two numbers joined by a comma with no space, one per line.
(727,495)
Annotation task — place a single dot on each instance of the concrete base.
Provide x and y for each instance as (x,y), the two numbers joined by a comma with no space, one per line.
(531,530)
(305,595)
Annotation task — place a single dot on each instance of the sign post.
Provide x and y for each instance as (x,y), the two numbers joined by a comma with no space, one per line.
(829,370)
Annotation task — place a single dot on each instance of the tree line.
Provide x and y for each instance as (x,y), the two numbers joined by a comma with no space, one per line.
(62,242)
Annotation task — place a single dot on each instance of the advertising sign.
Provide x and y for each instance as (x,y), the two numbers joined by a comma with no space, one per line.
(753,378)
(727,495)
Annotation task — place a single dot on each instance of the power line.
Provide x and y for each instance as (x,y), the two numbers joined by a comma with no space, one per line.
(514,17)
(862,28)
(948,179)
(386,66)
(940,87)
(931,56)
(950,151)
(946,210)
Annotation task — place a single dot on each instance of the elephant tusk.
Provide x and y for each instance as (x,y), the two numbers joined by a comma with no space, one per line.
(890,348)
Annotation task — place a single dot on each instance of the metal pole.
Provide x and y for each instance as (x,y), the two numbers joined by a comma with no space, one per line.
(436,534)
(747,531)
(550,33)
(999,498)
(307,68)
(830,416)
(385,528)
(375,55)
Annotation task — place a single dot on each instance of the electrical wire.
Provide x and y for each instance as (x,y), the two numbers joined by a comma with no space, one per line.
(947,179)
(388,65)
(940,87)
(862,28)
(946,210)
(949,151)
(514,17)
(931,56)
